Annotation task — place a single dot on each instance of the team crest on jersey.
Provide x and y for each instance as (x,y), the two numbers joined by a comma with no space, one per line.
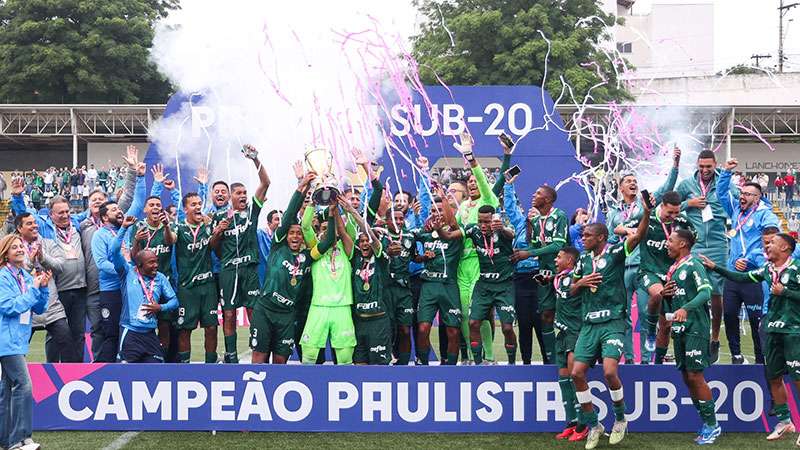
(407,243)
(548,226)
(750,223)
(601,264)
(682,275)
(784,278)
(495,238)
(301,258)
(180,320)
(253,342)
(565,282)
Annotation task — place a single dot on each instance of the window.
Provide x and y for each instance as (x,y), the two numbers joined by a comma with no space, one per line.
(624,47)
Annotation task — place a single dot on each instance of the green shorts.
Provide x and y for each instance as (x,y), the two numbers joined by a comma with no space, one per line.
(272,331)
(241,290)
(691,352)
(547,297)
(333,321)
(647,279)
(442,297)
(782,356)
(197,304)
(401,310)
(373,341)
(600,340)
(487,295)
(565,344)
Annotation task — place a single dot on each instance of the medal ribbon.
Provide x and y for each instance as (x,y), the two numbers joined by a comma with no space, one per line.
(148,292)
(664,227)
(739,222)
(560,276)
(597,258)
(704,188)
(112,231)
(676,266)
(365,271)
(151,236)
(195,231)
(627,212)
(776,272)
(66,236)
(489,247)
(20,279)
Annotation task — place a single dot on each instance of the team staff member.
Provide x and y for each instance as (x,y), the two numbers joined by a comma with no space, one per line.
(20,295)
(600,278)
(197,292)
(782,272)
(703,208)
(145,293)
(238,253)
(272,329)
(686,295)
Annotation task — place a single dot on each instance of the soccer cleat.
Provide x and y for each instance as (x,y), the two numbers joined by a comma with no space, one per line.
(739,359)
(29,444)
(650,343)
(713,352)
(781,430)
(579,435)
(466,362)
(594,436)
(708,435)
(618,432)
(569,431)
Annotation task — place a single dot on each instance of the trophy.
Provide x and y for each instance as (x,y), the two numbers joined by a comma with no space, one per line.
(325,190)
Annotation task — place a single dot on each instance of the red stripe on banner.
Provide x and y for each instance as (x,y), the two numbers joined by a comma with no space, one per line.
(44,385)
(764,421)
(637,337)
(792,403)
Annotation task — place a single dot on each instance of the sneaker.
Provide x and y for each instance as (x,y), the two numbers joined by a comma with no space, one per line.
(594,436)
(739,359)
(569,431)
(713,352)
(579,435)
(650,343)
(797,442)
(669,358)
(781,430)
(618,432)
(466,362)
(709,435)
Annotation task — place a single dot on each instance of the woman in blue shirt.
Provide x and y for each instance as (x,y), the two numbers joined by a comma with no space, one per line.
(20,294)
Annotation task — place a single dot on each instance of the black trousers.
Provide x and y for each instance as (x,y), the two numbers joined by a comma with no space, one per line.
(74,301)
(58,344)
(526,301)
(110,308)
(751,295)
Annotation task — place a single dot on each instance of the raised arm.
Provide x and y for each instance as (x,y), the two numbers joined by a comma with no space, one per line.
(423,192)
(726,198)
(374,200)
(672,177)
(633,241)
(131,159)
(263,179)
(374,241)
(513,211)
(752,276)
(341,230)
(307,227)
(508,148)
(115,250)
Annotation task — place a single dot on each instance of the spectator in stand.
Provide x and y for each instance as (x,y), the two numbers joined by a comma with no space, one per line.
(779,183)
(794,223)
(74,182)
(788,186)
(763,181)
(3,187)
(91,177)
(49,176)
(102,179)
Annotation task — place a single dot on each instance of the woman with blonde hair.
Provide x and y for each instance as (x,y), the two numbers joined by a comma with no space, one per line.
(20,293)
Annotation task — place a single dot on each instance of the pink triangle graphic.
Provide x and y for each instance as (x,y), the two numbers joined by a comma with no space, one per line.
(72,372)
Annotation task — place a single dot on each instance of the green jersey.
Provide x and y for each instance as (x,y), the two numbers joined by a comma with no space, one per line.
(193,254)
(653,249)
(568,307)
(447,255)
(608,301)
(155,242)
(690,279)
(546,230)
(398,265)
(287,274)
(239,246)
(370,278)
(332,278)
(494,254)
(467,213)
(783,315)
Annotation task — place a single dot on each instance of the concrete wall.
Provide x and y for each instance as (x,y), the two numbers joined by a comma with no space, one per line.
(757,157)
(100,153)
(742,90)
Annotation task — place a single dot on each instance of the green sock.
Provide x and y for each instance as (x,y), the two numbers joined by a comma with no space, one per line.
(422,355)
(590,418)
(782,411)
(706,410)
(452,359)
(549,341)
(661,352)
(231,355)
(619,411)
(211,357)
(477,352)
(511,351)
(568,397)
(652,323)
(487,338)
(403,358)
(184,357)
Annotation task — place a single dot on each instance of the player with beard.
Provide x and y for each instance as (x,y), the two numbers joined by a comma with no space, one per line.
(627,210)
(197,292)
(704,210)
(600,279)
(238,253)
(686,294)
(480,194)
(154,234)
(272,329)
(146,292)
(782,272)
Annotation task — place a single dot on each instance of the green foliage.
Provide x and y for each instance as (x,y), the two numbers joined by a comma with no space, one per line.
(80,51)
(497,42)
(743,69)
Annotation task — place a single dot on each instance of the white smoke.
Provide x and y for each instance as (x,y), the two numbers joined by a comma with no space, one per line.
(283,77)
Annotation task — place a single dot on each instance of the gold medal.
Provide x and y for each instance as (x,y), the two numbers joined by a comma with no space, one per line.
(593,290)
(732,233)
(435,235)
(366,286)
(293,281)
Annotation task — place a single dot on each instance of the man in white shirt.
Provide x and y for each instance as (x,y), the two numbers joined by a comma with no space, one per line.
(91,177)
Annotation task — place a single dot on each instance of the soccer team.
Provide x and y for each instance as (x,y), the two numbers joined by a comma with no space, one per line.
(365,278)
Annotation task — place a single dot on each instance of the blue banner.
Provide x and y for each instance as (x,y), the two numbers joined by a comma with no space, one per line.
(373,399)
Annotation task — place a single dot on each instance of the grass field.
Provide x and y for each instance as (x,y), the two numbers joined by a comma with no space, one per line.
(68,440)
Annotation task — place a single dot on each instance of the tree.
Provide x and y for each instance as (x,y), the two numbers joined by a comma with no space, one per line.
(744,69)
(476,42)
(80,51)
